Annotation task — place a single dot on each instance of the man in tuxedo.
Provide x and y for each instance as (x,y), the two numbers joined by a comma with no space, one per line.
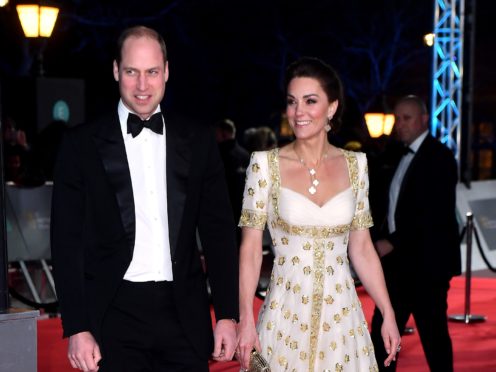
(130,191)
(419,245)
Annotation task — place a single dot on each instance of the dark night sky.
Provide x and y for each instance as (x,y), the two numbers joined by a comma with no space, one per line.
(227,57)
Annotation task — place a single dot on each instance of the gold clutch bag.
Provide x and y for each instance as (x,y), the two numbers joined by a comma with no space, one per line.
(258,362)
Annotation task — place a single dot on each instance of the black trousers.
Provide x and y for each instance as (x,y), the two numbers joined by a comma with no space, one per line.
(427,301)
(141,332)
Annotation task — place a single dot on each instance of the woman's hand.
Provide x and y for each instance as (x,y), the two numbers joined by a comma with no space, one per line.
(391,337)
(247,339)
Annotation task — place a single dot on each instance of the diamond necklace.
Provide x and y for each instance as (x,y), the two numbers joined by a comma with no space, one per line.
(312,170)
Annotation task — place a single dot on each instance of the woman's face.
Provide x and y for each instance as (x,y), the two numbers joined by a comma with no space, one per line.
(308,107)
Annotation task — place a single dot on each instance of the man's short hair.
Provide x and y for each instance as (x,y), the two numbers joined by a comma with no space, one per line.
(411,98)
(226,126)
(139,31)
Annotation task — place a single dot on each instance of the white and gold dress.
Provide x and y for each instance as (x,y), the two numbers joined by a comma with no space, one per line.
(311,319)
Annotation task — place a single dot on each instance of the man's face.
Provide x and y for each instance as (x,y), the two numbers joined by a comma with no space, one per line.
(410,122)
(142,75)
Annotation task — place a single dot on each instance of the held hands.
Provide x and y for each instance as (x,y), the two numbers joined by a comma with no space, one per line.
(84,352)
(392,339)
(225,340)
(247,339)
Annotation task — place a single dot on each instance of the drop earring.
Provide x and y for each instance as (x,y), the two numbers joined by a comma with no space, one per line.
(328,127)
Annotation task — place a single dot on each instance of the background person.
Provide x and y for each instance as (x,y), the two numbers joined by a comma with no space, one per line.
(420,247)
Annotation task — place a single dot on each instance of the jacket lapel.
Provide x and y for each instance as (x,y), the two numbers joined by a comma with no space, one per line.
(110,145)
(410,172)
(178,164)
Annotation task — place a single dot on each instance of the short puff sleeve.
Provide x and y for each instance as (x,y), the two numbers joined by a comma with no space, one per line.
(256,193)
(363,218)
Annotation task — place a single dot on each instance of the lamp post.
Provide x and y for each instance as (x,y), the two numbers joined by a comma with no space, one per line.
(379,124)
(38,21)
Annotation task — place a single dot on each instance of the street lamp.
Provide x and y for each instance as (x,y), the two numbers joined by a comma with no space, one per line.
(3,3)
(379,124)
(429,39)
(37,22)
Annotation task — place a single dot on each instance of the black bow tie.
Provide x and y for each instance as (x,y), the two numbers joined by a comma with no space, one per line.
(135,125)
(405,150)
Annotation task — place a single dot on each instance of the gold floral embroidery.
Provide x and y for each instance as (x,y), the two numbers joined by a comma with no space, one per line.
(273,305)
(288,285)
(303,327)
(339,288)
(293,345)
(307,246)
(284,241)
(362,220)
(296,289)
(360,331)
(352,161)
(283,362)
(321,355)
(260,204)
(316,232)
(333,345)
(281,260)
(262,183)
(307,270)
(253,219)
(270,326)
(366,350)
(251,192)
(329,300)
(269,350)
(330,270)
(326,327)
(317,298)
(303,355)
(304,300)
(295,260)
(280,280)
(255,168)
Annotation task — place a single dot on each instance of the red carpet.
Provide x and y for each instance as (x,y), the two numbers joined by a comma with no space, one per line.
(474,344)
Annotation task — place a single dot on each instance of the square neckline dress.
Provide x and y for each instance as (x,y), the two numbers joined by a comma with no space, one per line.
(311,319)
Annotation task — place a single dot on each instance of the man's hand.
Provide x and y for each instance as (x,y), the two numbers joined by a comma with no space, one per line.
(84,352)
(383,247)
(225,340)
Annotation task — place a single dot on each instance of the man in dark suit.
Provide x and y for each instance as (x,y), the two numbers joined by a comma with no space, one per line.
(236,160)
(420,248)
(129,195)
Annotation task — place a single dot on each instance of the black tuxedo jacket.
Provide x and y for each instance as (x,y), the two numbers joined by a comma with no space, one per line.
(426,240)
(93,226)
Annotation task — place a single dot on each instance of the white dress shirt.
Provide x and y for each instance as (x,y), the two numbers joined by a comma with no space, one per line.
(146,157)
(395,187)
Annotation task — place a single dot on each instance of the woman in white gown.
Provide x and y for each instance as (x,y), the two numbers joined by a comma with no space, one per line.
(313,196)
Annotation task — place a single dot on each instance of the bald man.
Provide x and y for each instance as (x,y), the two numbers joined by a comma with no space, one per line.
(419,245)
